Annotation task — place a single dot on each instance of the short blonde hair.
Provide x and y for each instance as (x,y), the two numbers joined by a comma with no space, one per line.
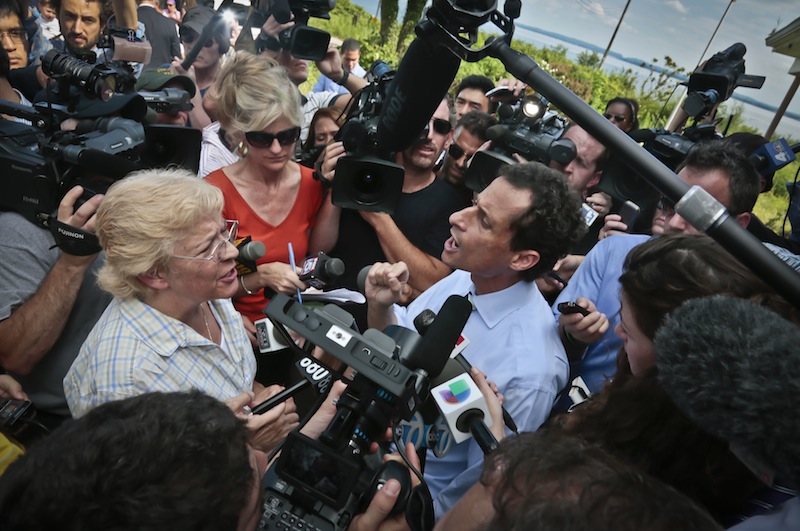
(141,219)
(251,92)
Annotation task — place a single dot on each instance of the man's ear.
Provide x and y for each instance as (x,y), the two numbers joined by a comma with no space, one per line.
(153,279)
(743,219)
(595,180)
(523,260)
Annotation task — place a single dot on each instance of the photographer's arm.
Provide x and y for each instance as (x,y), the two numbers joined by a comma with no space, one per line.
(325,234)
(125,14)
(331,66)
(425,270)
(33,328)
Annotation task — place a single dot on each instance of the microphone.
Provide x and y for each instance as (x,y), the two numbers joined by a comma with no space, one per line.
(772,156)
(214,26)
(728,364)
(463,407)
(361,279)
(440,337)
(320,270)
(422,80)
(249,253)
(316,374)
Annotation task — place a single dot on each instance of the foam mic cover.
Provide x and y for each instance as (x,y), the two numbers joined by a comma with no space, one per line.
(422,80)
(441,336)
(734,368)
(252,251)
(361,279)
(280,10)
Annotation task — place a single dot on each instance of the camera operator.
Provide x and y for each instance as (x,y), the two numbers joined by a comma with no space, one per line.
(717,167)
(49,302)
(330,66)
(163,78)
(470,134)
(147,470)
(518,227)
(417,230)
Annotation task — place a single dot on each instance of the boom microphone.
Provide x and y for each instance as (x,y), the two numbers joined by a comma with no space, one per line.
(422,80)
(729,364)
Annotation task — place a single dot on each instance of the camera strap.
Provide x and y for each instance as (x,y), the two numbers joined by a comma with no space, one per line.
(71,240)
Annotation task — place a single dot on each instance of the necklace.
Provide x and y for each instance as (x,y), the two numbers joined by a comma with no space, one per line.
(208,329)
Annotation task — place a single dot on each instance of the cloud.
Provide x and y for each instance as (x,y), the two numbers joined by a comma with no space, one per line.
(596,8)
(677,5)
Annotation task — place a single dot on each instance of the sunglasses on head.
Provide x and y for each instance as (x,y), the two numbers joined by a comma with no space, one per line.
(260,139)
(614,117)
(190,37)
(455,151)
(442,126)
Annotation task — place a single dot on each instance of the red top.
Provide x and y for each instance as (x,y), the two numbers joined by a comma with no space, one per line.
(294,228)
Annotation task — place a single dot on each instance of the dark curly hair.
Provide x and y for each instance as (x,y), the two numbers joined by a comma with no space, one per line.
(553,222)
(547,480)
(157,461)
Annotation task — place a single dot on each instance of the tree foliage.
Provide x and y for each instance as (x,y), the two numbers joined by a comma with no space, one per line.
(656,92)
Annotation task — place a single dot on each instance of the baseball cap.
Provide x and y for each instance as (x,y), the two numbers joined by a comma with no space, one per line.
(157,78)
(197,18)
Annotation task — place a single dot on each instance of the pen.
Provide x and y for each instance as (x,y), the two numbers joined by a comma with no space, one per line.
(294,268)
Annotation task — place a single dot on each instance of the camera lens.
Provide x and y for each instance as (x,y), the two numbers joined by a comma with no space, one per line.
(367,188)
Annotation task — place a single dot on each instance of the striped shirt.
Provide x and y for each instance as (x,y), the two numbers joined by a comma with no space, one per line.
(134,349)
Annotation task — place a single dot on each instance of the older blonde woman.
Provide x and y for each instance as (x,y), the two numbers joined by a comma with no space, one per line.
(169,262)
(276,200)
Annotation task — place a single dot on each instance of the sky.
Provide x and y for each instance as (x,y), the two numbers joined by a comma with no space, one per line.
(677,28)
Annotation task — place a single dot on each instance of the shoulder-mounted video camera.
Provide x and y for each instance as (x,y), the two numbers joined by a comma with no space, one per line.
(303,41)
(366,178)
(323,484)
(525,127)
(109,141)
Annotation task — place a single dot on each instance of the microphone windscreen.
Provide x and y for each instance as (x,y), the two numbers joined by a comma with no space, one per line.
(422,80)
(281,11)
(496,133)
(361,279)
(441,336)
(734,368)
(252,251)
(334,268)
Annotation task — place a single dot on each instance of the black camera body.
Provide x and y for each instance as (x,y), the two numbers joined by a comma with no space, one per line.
(366,178)
(302,41)
(526,128)
(323,484)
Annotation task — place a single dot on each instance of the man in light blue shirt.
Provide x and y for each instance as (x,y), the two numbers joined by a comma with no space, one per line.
(351,53)
(515,231)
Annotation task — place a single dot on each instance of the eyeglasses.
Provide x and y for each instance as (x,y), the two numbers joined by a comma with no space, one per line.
(228,235)
(442,126)
(666,206)
(260,139)
(17,35)
(455,151)
(614,117)
(190,37)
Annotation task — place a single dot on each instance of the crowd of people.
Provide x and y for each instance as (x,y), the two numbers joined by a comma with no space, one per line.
(140,355)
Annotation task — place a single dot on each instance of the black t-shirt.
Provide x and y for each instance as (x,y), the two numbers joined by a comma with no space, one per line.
(422,216)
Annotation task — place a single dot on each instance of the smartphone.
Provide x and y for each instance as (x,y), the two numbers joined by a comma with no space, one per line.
(629,211)
(12,410)
(568,308)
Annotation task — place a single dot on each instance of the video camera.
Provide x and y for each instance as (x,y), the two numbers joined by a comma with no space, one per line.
(365,177)
(324,484)
(706,88)
(302,41)
(43,162)
(526,127)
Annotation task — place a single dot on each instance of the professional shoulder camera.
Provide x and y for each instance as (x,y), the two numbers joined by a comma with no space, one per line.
(303,41)
(525,127)
(43,162)
(366,179)
(324,484)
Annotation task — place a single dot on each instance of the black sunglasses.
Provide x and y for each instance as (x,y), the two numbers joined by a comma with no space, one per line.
(665,205)
(442,126)
(190,36)
(260,139)
(455,151)
(614,117)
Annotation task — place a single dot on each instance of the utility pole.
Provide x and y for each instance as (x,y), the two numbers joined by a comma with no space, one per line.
(605,54)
